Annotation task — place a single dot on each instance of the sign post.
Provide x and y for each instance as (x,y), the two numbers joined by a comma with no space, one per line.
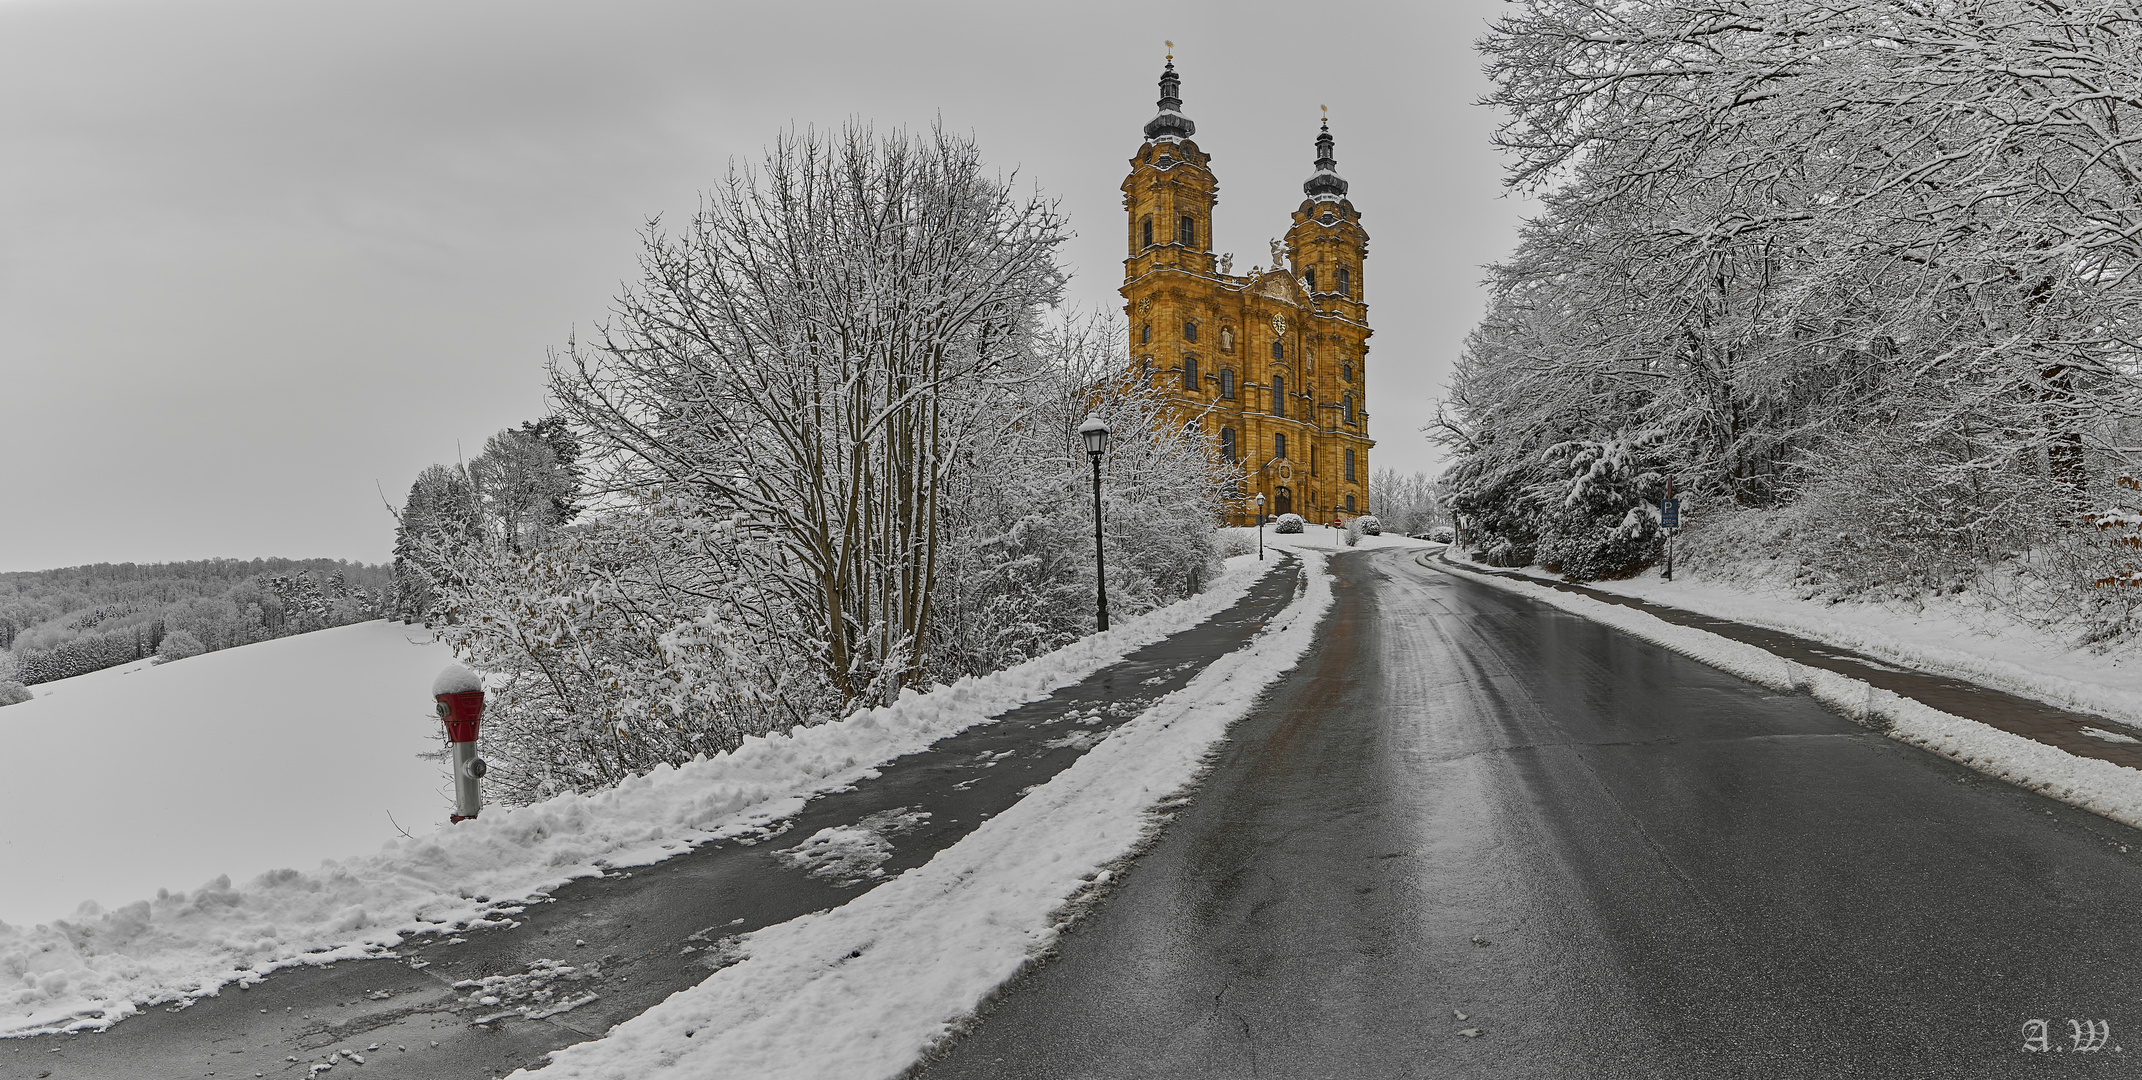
(1670,520)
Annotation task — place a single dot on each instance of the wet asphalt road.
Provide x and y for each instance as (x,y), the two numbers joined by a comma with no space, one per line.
(600,951)
(1611,860)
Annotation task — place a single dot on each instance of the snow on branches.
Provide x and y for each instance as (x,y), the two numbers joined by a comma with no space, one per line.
(830,453)
(1806,242)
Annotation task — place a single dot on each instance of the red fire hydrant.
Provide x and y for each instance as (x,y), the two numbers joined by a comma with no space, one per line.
(460,696)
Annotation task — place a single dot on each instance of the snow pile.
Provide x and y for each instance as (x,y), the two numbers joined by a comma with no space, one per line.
(455,679)
(852,853)
(865,989)
(93,970)
(1324,538)
(2098,786)
(1947,635)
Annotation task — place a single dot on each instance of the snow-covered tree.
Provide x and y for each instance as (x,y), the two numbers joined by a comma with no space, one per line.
(810,352)
(1864,261)
(440,514)
(830,441)
(178,645)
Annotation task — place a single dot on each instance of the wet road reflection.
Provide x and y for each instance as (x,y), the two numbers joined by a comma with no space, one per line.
(1472,835)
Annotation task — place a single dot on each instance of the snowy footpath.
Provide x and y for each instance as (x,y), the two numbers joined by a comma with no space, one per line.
(93,970)
(1947,635)
(865,989)
(2102,787)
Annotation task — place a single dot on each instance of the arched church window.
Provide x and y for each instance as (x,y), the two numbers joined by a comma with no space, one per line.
(1346,371)
(1227,382)
(1145,337)
(1346,282)
(1279,397)
(1149,232)
(1227,445)
(1309,276)
(1279,444)
(1279,349)
(1349,475)
(1190,374)
(1190,330)
(1346,406)
(1349,504)
(1186,231)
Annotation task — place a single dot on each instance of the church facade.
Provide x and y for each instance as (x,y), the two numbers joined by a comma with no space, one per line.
(1273,364)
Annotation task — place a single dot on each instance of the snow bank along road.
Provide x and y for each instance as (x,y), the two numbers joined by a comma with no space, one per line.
(1475,835)
(596,952)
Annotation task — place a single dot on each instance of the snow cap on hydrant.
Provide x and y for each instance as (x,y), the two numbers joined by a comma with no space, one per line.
(460,696)
(456,679)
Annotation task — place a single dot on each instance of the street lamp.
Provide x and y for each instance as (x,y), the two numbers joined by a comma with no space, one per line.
(1260,526)
(1095,432)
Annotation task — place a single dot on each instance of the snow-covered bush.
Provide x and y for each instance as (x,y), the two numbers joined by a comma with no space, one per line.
(1370,526)
(1443,534)
(178,645)
(1228,543)
(1018,570)
(641,638)
(13,693)
(1287,523)
(1354,532)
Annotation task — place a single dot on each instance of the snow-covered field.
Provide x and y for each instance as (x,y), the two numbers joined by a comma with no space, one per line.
(1948,635)
(124,781)
(863,990)
(91,970)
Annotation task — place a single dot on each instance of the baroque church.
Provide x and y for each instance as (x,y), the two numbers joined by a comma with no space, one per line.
(1272,364)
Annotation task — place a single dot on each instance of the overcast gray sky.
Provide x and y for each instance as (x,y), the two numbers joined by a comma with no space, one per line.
(259,255)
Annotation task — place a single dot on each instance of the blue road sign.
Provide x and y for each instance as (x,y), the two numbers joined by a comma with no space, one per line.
(1670,512)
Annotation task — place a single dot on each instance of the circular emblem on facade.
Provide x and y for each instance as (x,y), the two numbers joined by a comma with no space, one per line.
(1279,323)
(1286,472)
(1145,306)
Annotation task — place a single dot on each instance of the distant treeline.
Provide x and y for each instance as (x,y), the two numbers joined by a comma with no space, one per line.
(60,623)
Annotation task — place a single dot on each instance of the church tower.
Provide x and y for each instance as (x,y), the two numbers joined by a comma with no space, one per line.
(1327,248)
(1271,365)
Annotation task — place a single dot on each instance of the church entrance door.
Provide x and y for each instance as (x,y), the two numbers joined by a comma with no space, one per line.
(1283,501)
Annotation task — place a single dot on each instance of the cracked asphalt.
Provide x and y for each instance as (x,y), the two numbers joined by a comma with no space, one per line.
(1474,836)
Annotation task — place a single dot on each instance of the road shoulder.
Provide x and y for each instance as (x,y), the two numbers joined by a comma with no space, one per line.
(2030,744)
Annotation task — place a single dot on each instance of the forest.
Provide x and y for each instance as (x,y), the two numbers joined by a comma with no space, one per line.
(1858,280)
(59,623)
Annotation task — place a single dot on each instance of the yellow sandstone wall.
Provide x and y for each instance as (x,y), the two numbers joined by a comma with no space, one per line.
(1199,332)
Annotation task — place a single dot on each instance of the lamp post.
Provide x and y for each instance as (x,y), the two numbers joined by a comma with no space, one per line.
(1260,526)
(1095,432)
